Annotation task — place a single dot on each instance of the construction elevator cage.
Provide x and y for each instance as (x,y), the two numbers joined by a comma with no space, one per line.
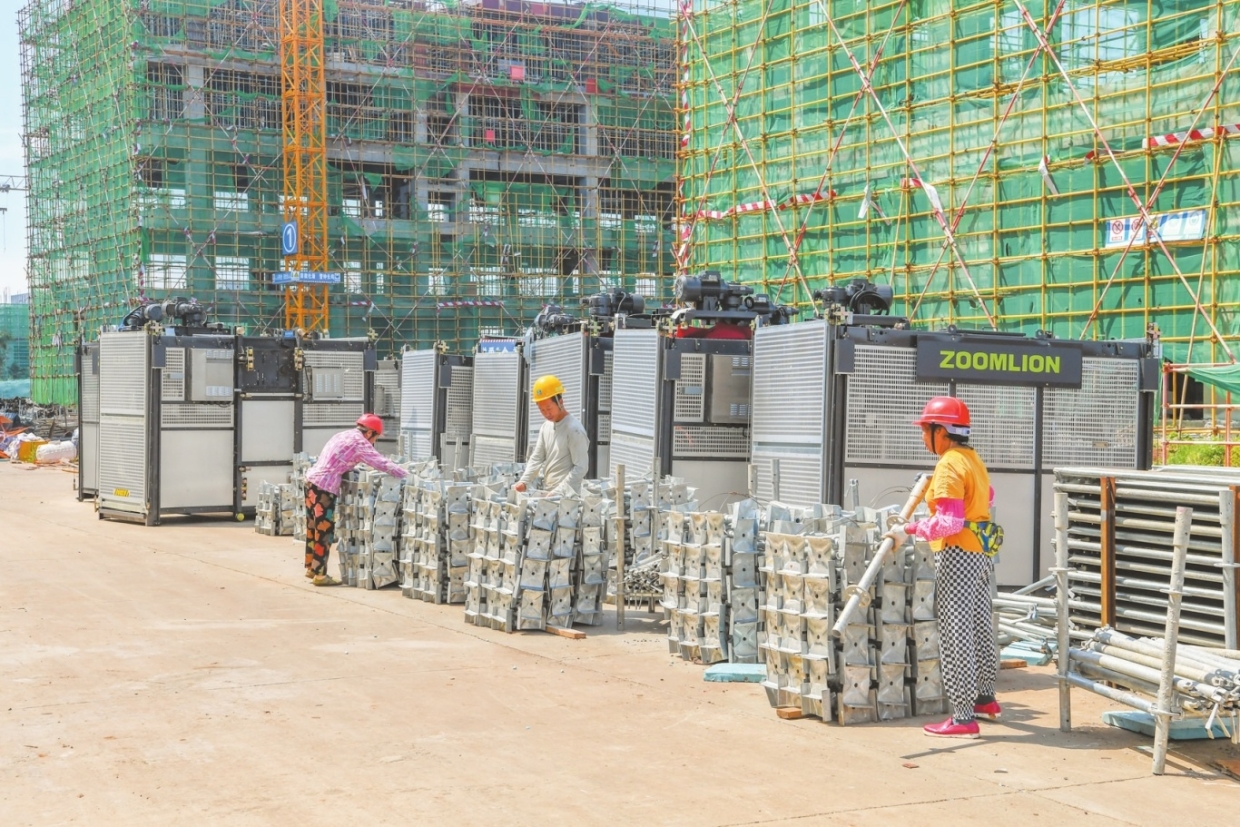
(166,425)
(582,362)
(88,420)
(684,402)
(386,405)
(499,406)
(834,403)
(268,388)
(436,406)
(337,385)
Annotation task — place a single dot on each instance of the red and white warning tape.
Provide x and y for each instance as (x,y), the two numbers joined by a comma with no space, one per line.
(1173,138)
(763,206)
(467,303)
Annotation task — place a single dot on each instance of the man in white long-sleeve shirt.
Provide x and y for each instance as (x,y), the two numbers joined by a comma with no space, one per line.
(561,456)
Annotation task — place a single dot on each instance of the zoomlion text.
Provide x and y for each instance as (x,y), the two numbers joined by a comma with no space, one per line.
(1010,362)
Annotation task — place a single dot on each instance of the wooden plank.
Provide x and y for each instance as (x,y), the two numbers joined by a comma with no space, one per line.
(789,713)
(571,634)
(1107,550)
(1013,663)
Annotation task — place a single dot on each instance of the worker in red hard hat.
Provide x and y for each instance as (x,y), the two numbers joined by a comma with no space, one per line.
(960,531)
(342,453)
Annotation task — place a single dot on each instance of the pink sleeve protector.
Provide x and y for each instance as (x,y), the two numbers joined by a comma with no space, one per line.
(948,519)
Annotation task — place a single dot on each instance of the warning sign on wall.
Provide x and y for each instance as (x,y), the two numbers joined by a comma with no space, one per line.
(1173,228)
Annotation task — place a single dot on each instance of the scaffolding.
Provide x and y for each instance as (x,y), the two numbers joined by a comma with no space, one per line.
(484,158)
(996,161)
(14,341)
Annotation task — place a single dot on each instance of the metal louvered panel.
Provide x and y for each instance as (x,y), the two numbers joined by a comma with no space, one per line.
(353,364)
(172,378)
(635,383)
(565,358)
(387,377)
(189,414)
(800,475)
(1002,430)
(332,413)
(417,393)
(710,442)
(416,445)
(604,428)
(497,394)
(90,386)
(122,459)
(487,450)
(122,374)
(689,403)
(460,419)
(789,383)
(604,384)
(1097,423)
(635,453)
(883,400)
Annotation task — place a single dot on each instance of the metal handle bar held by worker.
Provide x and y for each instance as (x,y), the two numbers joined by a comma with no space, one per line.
(859,594)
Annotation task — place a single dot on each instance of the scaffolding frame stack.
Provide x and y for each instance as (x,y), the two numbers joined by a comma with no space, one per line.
(483,159)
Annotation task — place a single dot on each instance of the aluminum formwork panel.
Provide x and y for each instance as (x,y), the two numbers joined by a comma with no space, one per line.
(124,370)
(498,408)
(634,401)
(417,403)
(565,358)
(788,423)
(88,421)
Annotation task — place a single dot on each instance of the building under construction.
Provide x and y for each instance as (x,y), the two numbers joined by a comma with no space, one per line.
(997,161)
(483,159)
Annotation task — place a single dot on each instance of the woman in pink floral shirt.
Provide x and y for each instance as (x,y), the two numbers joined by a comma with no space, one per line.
(342,453)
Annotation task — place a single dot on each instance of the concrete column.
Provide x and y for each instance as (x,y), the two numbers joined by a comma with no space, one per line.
(194,108)
(421,134)
(588,136)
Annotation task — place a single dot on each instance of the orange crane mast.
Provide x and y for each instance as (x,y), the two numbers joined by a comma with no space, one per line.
(304,95)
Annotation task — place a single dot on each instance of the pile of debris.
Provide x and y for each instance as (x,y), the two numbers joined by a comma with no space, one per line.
(886,664)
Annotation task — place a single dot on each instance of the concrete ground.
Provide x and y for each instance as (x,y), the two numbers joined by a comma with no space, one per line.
(188,674)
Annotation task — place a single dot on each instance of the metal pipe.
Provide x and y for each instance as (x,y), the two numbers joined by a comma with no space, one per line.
(1149,675)
(1107,675)
(620,543)
(1063,622)
(861,591)
(1162,718)
(1153,649)
(1117,695)
(1231,615)
(1038,586)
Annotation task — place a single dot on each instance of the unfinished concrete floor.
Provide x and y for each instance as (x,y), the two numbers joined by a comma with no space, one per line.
(188,674)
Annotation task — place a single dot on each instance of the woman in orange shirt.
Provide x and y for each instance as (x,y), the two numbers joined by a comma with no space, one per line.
(959,499)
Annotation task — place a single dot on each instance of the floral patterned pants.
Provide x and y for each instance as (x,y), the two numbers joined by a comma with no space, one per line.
(320,527)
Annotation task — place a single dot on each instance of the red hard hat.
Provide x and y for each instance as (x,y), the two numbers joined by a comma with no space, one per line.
(947,411)
(371,423)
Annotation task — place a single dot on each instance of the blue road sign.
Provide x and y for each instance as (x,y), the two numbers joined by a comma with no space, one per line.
(289,242)
(304,277)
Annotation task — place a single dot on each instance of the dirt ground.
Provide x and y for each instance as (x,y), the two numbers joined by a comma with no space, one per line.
(188,674)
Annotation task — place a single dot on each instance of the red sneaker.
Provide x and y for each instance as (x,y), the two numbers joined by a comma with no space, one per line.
(951,729)
(990,711)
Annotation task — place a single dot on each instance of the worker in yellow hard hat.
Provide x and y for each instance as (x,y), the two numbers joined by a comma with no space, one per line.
(561,456)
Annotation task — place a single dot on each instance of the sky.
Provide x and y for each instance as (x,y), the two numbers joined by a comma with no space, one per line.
(13,219)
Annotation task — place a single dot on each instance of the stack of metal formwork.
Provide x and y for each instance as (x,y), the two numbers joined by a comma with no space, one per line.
(884,666)
(267,510)
(380,531)
(1120,525)
(351,507)
(301,466)
(497,533)
(437,537)
(593,562)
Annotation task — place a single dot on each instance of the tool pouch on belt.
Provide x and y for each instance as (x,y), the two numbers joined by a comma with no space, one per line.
(988,533)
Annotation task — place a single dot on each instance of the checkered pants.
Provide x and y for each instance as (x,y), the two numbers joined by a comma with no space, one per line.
(966,631)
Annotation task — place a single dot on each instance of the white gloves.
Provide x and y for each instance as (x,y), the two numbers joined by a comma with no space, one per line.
(898,536)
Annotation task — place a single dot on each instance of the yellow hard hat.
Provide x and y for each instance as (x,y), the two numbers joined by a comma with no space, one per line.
(547,387)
